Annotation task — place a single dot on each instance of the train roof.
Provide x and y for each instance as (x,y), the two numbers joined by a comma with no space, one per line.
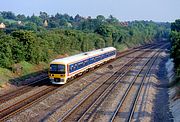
(81,56)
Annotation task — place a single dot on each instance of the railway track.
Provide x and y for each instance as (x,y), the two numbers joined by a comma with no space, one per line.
(132,110)
(21,105)
(25,103)
(112,117)
(138,91)
(43,81)
(81,110)
(23,90)
(78,112)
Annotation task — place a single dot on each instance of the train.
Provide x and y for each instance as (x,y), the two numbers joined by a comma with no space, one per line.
(64,69)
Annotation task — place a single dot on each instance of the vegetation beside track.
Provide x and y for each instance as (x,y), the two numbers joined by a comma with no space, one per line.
(28,42)
(175,52)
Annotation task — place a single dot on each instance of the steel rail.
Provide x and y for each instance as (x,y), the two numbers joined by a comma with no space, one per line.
(129,64)
(139,90)
(104,95)
(21,105)
(28,87)
(25,103)
(19,91)
(15,109)
(83,115)
(129,88)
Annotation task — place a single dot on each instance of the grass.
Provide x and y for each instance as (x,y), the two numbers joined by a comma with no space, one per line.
(122,47)
(28,70)
(5,76)
(31,69)
(10,21)
(74,52)
(27,67)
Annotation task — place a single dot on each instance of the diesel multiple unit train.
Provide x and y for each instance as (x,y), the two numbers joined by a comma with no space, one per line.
(61,70)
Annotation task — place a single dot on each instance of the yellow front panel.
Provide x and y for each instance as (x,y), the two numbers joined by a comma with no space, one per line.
(56,76)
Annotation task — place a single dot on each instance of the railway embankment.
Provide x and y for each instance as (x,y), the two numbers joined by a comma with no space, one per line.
(168,93)
(174,101)
(10,81)
(21,74)
(162,111)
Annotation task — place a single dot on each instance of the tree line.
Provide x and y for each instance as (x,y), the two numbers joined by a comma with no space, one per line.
(29,38)
(175,40)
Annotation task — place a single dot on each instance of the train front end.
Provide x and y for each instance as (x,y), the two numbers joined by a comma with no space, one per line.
(57,73)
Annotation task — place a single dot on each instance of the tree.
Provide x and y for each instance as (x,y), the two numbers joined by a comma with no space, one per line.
(53,24)
(112,19)
(43,15)
(78,18)
(18,51)
(99,43)
(104,30)
(101,18)
(175,52)
(30,26)
(28,40)
(1,19)
(21,17)
(175,26)
(8,15)
(6,56)
(37,20)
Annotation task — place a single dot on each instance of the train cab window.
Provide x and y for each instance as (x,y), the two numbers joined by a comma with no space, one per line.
(57,68)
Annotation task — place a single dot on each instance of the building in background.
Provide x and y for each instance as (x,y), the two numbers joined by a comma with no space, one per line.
(2,26)
(45,23)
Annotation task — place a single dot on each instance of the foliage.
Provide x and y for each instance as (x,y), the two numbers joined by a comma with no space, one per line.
(27,38)
(175,26)
(175,39)
(27,67)
(5,75)
(6,55)
(175,52)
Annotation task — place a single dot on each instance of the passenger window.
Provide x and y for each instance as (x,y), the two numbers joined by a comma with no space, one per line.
(71,68)
(75,66)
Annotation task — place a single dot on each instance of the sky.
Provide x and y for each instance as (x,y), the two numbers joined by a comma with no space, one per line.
(124,10)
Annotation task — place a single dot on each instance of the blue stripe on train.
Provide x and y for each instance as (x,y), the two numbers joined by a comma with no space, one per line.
(81,64)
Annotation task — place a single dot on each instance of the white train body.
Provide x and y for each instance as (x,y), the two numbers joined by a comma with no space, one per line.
(64,69)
